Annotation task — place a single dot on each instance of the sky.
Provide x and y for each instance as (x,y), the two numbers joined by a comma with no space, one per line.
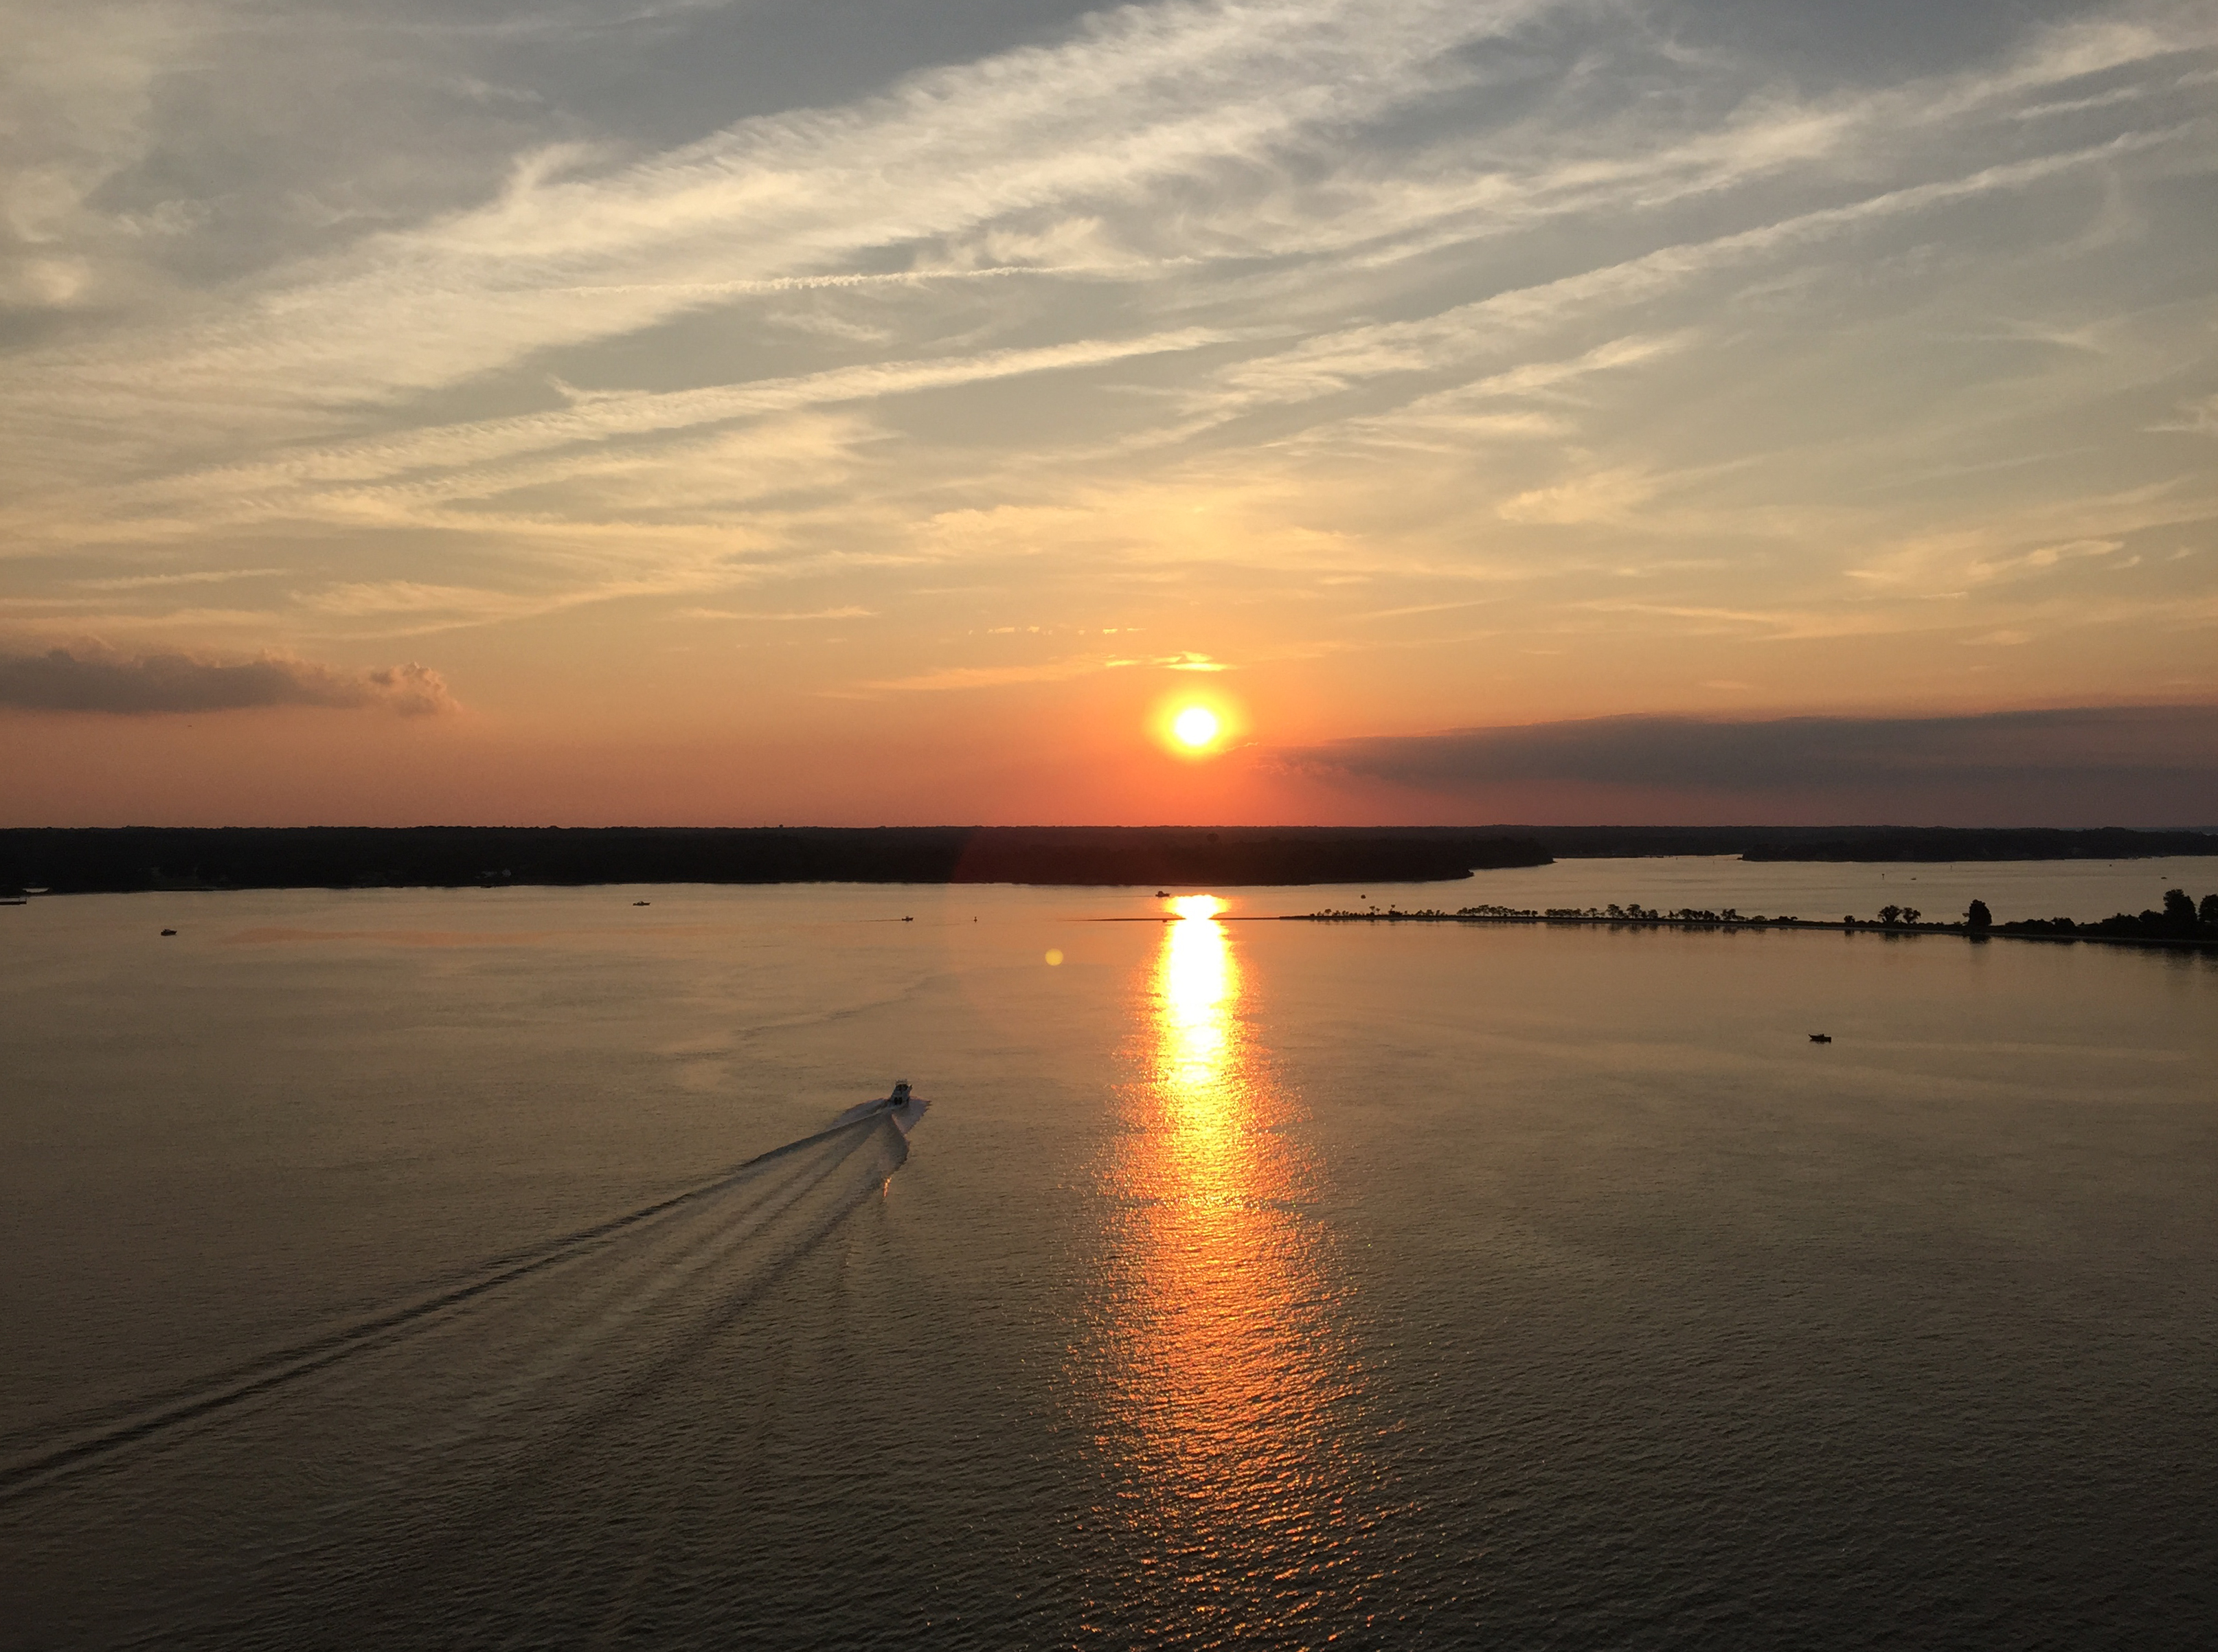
(872,412)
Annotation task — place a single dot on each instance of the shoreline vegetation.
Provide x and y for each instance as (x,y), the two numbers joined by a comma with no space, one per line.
(133,859)
(2181,922)
(114,860)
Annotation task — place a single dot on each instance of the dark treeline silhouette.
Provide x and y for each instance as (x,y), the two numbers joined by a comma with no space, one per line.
(2181,918)
(87,859)
(120,859)
(152,858)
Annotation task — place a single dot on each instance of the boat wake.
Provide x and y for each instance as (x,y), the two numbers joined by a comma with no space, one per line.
(501,1362)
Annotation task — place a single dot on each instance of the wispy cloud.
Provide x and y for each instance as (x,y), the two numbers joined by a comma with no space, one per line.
(850,612)
(1139,96)
(1049,671)
(159,581)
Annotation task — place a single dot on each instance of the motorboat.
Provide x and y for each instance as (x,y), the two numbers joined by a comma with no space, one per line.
(904,1107)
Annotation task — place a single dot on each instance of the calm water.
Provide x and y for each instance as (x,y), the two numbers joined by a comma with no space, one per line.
(387,1268)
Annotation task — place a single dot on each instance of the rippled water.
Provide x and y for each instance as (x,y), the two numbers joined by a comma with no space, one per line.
(399,1268)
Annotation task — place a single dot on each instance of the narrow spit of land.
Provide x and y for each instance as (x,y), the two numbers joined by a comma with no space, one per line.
(2181,922)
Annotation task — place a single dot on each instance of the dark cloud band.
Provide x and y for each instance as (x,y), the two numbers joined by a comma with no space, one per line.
(96,680)
(2094,744)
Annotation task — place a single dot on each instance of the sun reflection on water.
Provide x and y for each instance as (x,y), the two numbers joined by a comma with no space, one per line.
(1227,1386)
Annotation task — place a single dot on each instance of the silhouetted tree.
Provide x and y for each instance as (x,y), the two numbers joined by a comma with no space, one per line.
(2209,911)
(1976,916)
(1889,914)
(2178,906)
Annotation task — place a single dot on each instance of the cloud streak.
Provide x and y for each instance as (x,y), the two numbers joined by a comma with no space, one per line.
(1141,95)
(153,684)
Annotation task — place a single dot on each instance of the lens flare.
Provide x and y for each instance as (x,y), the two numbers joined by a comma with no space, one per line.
(1196,726)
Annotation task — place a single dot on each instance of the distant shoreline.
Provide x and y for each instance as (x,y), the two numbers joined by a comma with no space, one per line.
(146,859)
(115,860)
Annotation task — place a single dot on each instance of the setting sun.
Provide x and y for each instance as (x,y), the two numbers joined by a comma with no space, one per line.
(1196,726)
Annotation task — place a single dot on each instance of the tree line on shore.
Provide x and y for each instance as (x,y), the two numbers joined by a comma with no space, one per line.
(2180,919)
(128,859)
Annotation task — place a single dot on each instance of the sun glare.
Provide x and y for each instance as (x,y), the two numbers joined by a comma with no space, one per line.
(1196,726)
(1198,723)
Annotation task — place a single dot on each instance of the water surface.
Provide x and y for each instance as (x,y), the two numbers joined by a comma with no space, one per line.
(390,1268)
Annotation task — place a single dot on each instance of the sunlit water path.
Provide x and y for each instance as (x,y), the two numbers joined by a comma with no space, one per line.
(398,1268)
(1221,1371)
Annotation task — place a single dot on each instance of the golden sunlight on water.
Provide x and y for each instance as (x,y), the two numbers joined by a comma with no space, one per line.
(1226,1381)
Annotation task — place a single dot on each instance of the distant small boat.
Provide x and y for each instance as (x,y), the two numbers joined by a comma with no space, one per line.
(643,903)
(169,932)
(1821,1037)
(908,920)
(1163,895)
